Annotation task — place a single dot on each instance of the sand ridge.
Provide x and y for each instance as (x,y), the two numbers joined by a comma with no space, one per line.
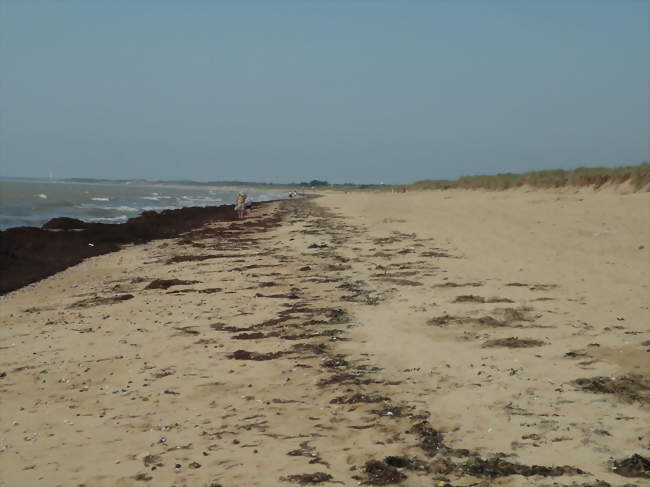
(335,341)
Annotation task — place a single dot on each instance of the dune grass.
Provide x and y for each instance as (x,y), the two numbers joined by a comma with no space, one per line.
(637,176)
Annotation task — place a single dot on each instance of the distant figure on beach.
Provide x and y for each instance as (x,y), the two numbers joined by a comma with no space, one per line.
(240,207)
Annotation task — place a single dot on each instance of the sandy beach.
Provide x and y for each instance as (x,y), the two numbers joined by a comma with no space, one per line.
(442,338)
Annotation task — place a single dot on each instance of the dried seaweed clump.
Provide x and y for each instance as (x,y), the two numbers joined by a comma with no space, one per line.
(381,473)
(634,466)
(498,467)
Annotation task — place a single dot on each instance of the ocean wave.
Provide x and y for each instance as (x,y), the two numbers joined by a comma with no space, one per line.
(107,219)
(159,208)
(87,206)
(100,199)
(201,199)
(42,196)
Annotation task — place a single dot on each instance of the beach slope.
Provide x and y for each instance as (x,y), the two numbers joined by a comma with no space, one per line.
(429,338)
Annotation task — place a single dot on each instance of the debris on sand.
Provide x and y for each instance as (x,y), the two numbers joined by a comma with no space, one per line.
(246,355)
(399,282)
(469,298)
(142,477)
(389,409)
(249,336)
(459,284)
(498,467)
(630,387)
(513,342)
(345,379)
(359,398)
(167,283)
(634,466)
(381,473)
(210,290)
(431,440)
(187,330)
(442,320)
(96,301)
(434,253)
(152,460)
(409,463)
(335,363)
(188,258)
(308,478)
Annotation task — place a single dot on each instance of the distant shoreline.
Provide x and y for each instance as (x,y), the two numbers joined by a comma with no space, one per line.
(638,176)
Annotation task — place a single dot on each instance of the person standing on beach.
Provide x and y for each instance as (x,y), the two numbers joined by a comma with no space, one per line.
(240,207)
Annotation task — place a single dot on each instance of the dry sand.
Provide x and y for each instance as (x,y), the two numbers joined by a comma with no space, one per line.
(469,335)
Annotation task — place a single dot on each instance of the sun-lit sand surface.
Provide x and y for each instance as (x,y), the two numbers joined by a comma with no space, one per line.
(447,327)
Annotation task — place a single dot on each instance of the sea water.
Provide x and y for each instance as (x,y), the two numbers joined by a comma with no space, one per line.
(32,203)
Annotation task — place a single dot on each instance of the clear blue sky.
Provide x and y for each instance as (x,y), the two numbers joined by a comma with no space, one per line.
(359,91)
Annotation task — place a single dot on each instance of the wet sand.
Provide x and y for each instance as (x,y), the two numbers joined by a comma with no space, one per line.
(441,338)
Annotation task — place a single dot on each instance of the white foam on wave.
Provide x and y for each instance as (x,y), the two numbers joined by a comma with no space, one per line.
(205,200)
(158,208)
(153,198)
(115,208)
(100,199)
(41,196)
(114,219)
(121,208)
